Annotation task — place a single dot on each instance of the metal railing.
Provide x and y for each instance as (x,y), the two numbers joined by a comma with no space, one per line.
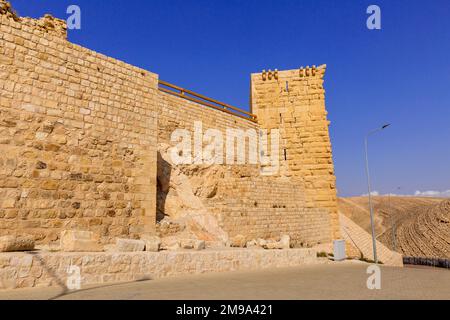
(201,99)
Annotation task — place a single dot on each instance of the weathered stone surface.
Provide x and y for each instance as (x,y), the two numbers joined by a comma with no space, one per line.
(152,243)
(6,9)
(199,245)
(272,245)
(129,245)
(79,241)
(252,244)
(16,243)
(186,244)
(258,243)
(238,241)
(285,242)
(25,270)
(171,244)
(192,244)
(181,202)
(261,242)
(71,137)
(217,244)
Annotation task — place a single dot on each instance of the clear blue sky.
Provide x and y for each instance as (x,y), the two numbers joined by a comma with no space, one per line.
(400,74)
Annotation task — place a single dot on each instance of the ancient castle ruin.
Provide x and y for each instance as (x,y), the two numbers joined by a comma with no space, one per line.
(84,144)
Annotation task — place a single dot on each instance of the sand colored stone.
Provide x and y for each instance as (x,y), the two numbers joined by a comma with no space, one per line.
(16,243)
(152,243)
(77,136)
(21,270)
(129,245)
(294,102)
(79,241)
(84,140)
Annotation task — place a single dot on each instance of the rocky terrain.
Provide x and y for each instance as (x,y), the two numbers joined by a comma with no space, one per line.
(410,225)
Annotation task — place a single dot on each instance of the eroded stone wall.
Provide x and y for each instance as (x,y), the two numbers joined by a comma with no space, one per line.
(77,136)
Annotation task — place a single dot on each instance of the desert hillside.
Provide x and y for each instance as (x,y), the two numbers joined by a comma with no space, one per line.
(410,225)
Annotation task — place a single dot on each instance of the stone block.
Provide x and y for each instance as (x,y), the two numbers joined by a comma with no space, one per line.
(79,241)
(16,243)
(193,244)
(284,243)
(256,244)
(216,244)
(261,242)
(170,244)
(238,241)
(199,245)
(173,247)
(186,244)
(8,203)
(129,245)
(253,244)
(152,243)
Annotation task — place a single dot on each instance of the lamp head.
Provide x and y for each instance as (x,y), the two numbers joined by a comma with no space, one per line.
(385,126)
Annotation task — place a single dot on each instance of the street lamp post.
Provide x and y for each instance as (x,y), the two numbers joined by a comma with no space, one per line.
(393,224)
(375,258)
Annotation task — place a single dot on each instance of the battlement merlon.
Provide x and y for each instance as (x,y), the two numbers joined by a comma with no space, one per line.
(46,24)
(302,72)
(269,86)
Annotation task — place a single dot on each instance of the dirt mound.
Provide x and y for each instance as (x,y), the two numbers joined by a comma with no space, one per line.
(412,226)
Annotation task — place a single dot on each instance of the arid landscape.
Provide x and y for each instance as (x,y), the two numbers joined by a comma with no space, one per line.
(413,226)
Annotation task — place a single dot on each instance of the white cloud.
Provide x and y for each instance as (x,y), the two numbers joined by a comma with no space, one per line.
(373,194)
(430,194)
(435,194)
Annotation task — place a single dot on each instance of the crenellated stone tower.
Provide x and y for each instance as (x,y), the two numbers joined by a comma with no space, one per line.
(293,101)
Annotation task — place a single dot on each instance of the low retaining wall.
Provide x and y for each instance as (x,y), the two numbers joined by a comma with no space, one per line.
(25,270)
(431,262)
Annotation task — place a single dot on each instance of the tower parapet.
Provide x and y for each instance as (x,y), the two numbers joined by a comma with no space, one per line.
(293,101)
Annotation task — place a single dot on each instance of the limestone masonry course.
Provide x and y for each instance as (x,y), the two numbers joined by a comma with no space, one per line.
(84,138)
(46,269)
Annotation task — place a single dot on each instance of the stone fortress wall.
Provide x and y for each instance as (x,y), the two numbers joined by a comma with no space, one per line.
(79,136)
